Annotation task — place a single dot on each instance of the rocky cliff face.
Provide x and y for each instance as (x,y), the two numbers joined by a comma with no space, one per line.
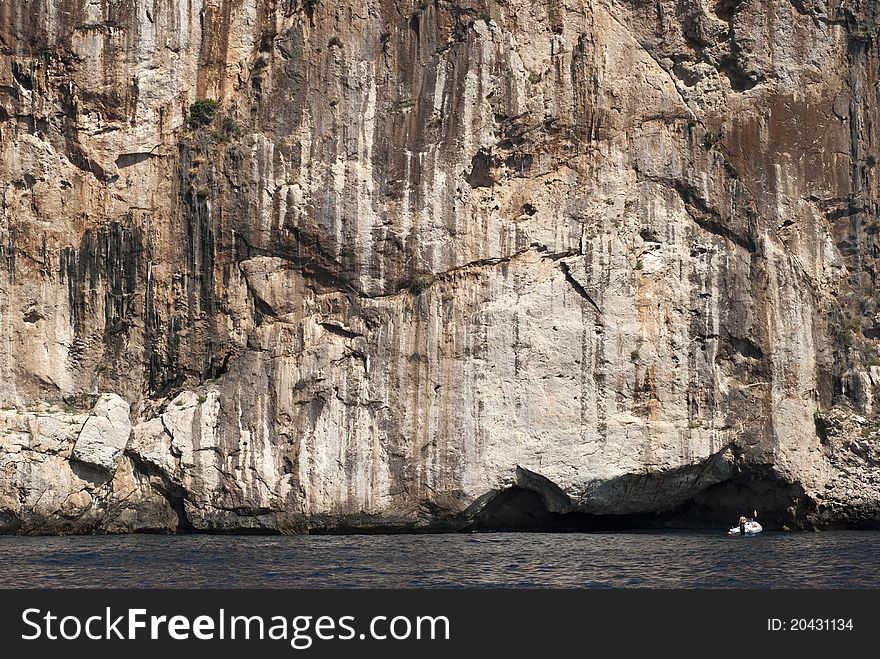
(438,264)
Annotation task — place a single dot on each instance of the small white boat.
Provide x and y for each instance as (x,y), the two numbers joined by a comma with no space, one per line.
(752,527)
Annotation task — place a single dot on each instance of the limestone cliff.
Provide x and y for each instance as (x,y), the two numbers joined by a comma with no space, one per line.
(306,265)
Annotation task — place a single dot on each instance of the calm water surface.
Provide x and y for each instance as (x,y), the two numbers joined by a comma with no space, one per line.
(840,559)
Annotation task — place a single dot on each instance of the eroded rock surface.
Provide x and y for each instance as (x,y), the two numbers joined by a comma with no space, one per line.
(104,435)
(617,255)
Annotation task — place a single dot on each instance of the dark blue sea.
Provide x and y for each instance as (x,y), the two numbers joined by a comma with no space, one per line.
(668,559)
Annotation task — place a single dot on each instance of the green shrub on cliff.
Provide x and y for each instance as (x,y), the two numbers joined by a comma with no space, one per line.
(203,111)
(230,127)
(421,283)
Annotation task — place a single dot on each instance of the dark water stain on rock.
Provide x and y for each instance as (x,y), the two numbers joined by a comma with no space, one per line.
(107,263)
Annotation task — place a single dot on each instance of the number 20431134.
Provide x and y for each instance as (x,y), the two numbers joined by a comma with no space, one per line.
(809,624)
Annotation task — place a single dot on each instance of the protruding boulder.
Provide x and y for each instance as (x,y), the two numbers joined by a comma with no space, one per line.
(105,434)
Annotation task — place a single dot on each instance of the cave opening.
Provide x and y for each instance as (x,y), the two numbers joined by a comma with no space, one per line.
(524,510)
(780,506)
